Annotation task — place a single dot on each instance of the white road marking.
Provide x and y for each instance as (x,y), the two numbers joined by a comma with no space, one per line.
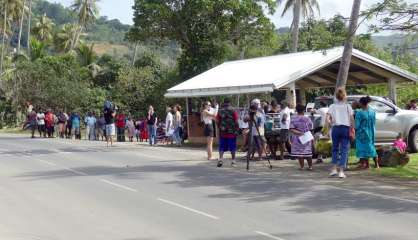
(375,194)
(76,172)
(48,163)
(268,235)
(188,209)
(118,185)
(64,152)
(155,156)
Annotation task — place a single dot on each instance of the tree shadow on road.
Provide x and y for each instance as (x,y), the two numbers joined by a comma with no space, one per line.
(298,191)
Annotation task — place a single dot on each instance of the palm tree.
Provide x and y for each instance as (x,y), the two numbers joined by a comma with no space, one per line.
(87,11)
(29,26)
(86,54)
(43,28)
(305,7)
(348,46)
(64,38)
(5,4)
(21,26)
(38,49)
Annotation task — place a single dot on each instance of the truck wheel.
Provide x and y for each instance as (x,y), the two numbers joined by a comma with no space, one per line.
(413,141)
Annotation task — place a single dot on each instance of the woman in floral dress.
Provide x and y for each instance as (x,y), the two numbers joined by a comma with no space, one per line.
(300,125)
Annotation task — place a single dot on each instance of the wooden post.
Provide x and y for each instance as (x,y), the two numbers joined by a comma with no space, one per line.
(291,95)
(392,90)
(188,117)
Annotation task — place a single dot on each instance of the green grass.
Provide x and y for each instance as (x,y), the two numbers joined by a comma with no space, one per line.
(410,171)
(13,130)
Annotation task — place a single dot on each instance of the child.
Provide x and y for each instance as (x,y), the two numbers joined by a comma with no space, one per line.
(131,129)
(400,144)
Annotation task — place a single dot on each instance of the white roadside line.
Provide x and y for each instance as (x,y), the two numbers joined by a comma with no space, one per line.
(118,185)
(375,194)
(268,235)
(75,171)
(48,163)
(188,209)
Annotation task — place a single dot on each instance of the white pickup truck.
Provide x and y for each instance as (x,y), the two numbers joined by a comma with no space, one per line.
(390,120)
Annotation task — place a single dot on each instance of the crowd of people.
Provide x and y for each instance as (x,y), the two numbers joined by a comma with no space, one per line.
(297,134)
(108,125)
(266,128)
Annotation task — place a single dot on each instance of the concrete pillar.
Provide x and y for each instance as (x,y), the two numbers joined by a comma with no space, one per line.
(392,90)
(188,115)
(291,95)
(302,93)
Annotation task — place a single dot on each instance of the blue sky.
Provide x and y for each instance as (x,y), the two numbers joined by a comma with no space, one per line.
(122,10)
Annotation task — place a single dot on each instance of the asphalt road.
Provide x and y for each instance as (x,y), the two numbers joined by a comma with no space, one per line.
(55,189)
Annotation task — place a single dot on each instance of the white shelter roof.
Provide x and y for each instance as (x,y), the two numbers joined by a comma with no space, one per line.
(268,73)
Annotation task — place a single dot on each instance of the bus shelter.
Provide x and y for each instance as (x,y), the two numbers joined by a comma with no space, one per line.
(295,71)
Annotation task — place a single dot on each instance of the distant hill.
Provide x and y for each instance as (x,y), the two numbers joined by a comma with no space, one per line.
(102,30)
(394,40)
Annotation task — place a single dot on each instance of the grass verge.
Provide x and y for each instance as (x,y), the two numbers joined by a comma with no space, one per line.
(410,171)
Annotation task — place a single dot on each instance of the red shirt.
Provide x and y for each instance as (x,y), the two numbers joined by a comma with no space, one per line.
(120,121)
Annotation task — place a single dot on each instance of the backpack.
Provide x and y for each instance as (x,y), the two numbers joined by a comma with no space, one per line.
(227,124)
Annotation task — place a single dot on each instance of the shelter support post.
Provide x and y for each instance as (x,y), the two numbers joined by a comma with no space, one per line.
(302,93)
(188,115)
(291,95)
(392,90)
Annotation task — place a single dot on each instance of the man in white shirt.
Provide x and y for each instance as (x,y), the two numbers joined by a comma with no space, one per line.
(284,142)
(40,118)
(169,124)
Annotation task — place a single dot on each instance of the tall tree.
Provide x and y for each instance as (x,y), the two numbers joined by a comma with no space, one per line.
(43,28)
(205,30)
(394,15)
(29,26)
(5,4)
(348,46)
(87,12)
(63,39)
(22,17)
(306,8)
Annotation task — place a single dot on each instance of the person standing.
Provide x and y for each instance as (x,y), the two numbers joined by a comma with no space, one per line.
(169,119)
(272,135)
(152,125)
(40,118)
(90,122)
(138,129)
(62,120)
(412,105)
(109,116)
(301,127)
(365,124)
(101,128)
(208,117)
(75,125)
(284,139)
(49,123)
(130,125)
(69,127)
(228,126)
(32,122)
(120,127)
(177,125)
(340,116)
(257,131)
